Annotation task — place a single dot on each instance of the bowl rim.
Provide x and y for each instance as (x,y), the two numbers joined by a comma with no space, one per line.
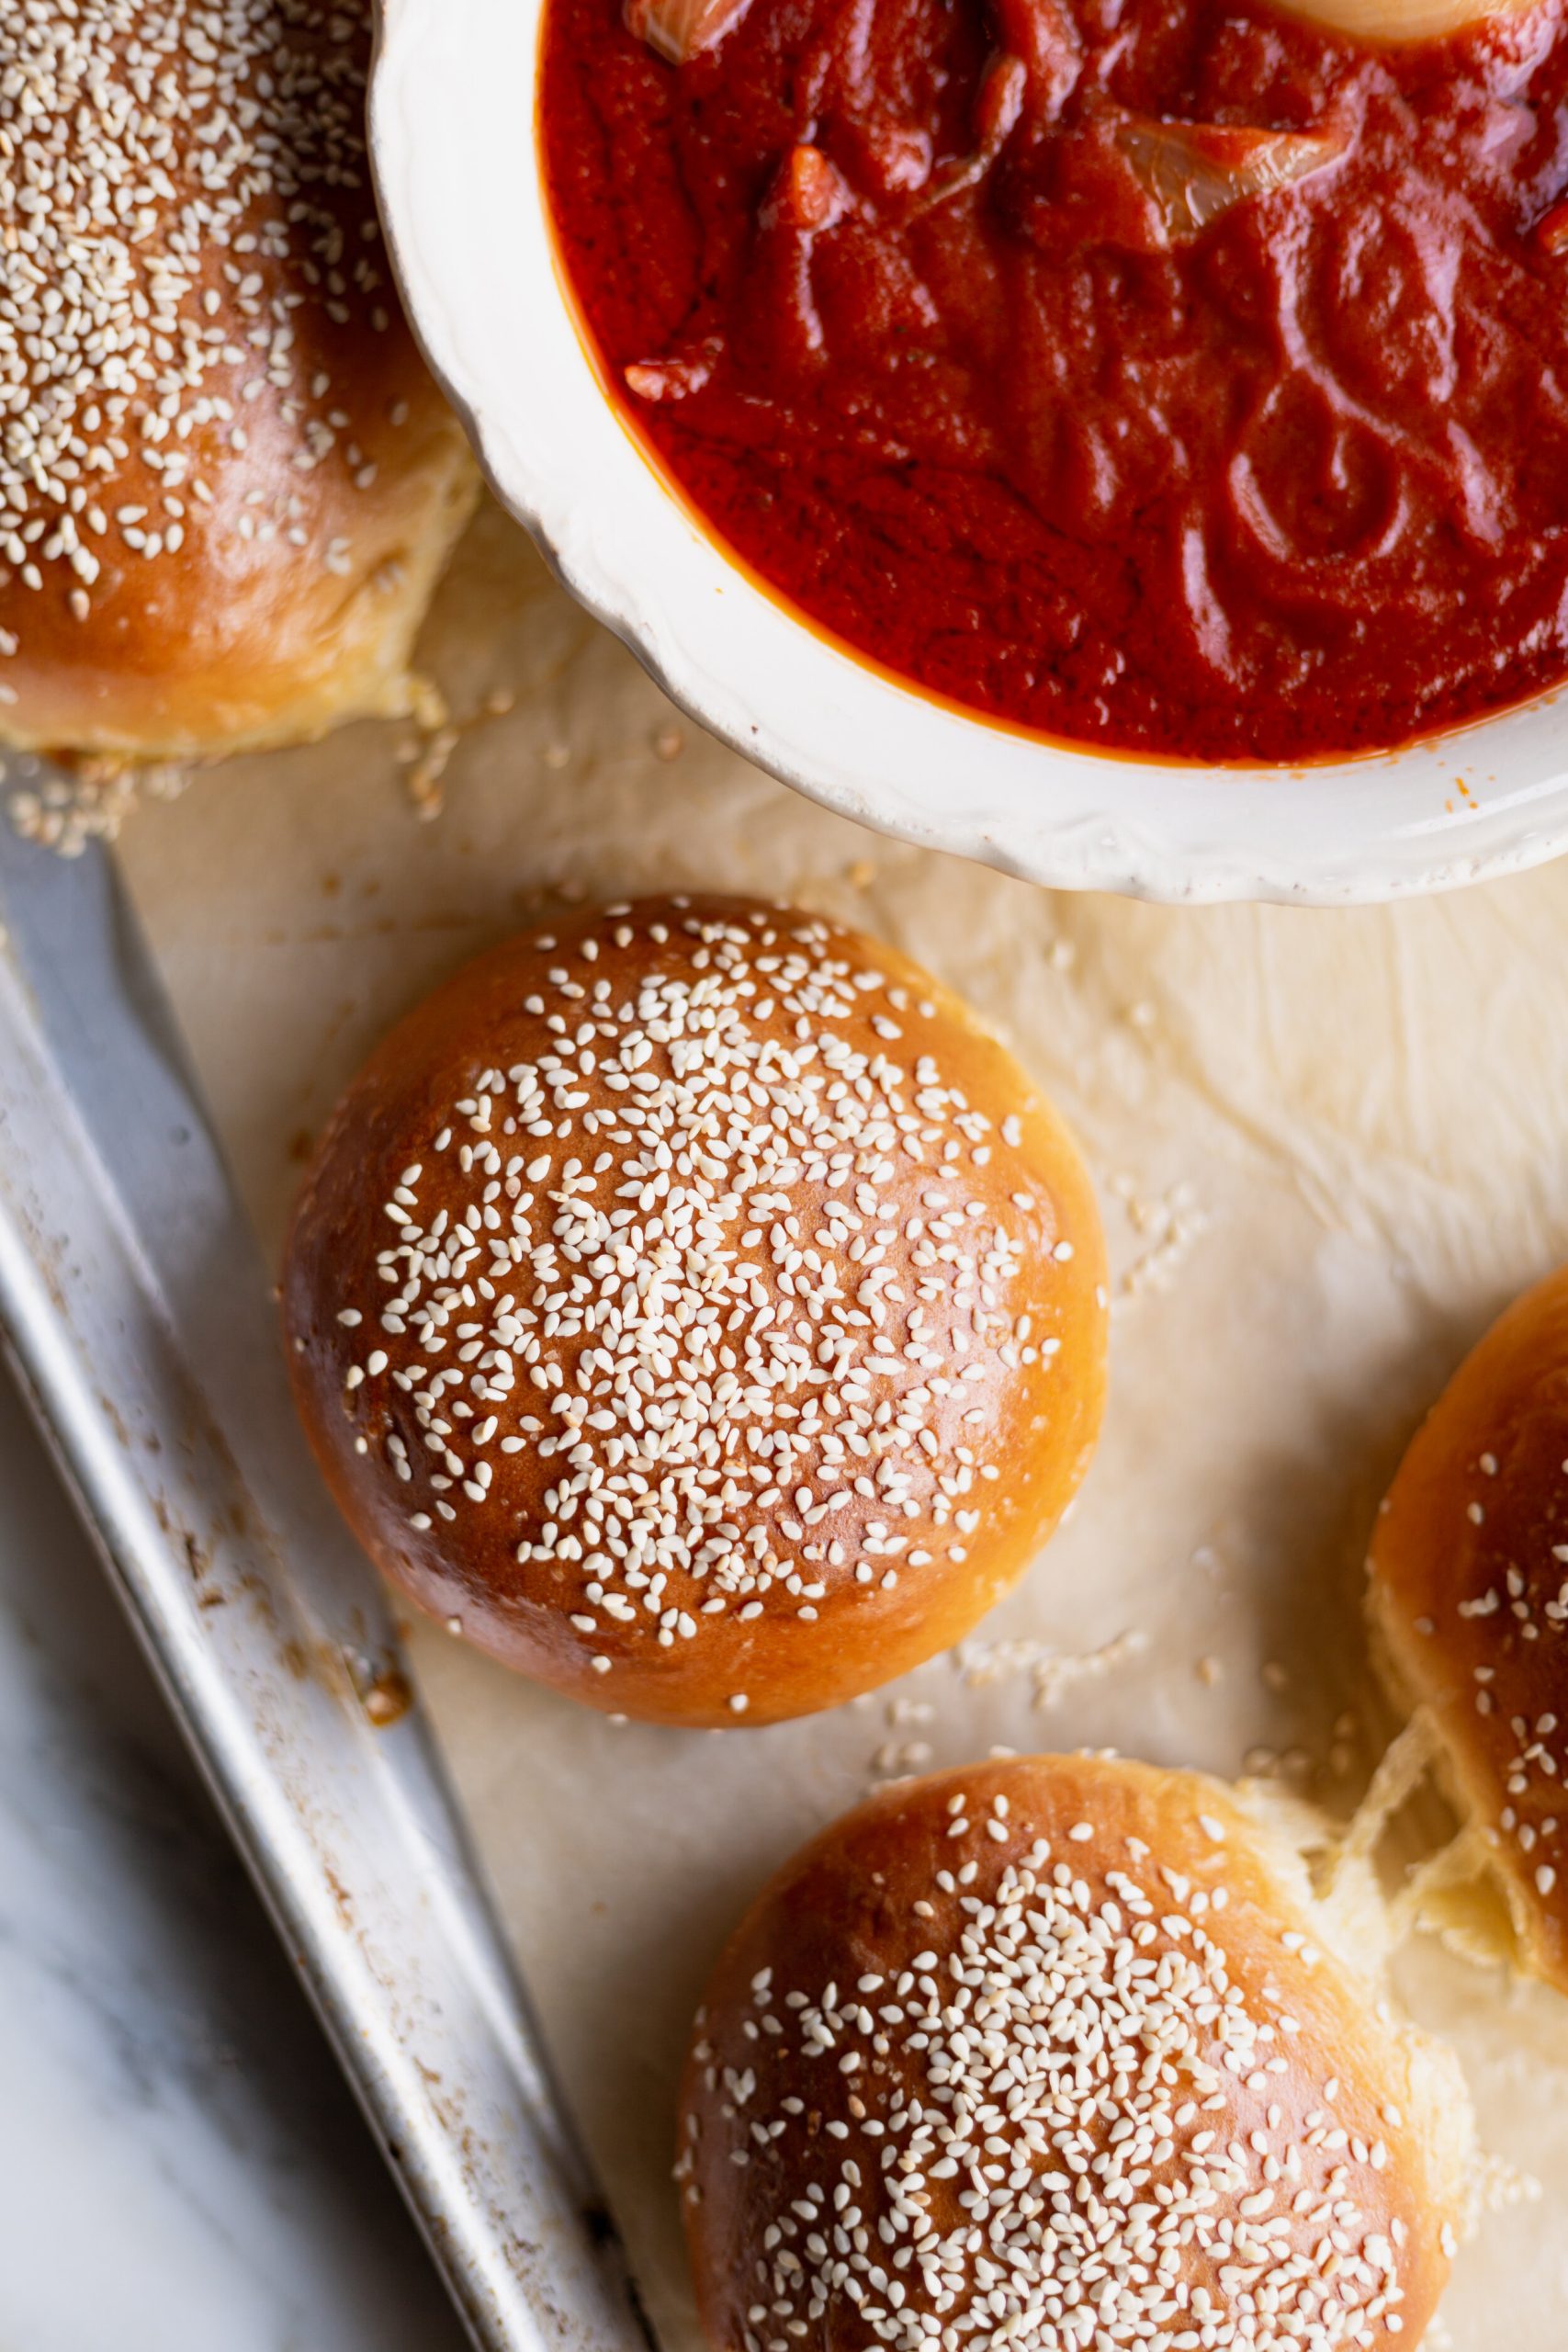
(1150,829)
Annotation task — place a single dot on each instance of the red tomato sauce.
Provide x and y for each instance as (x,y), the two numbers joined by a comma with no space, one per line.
(948,316)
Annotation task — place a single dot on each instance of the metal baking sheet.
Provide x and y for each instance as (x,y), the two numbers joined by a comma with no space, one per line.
(1328,1146)
(137,1308)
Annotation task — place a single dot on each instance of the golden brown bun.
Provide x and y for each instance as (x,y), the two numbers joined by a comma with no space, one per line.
(1469,1603)
(227,481)
(1047,2053)
(830,1336)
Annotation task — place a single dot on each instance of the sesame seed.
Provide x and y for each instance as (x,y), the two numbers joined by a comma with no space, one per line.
(1501,1635)
(1053,2125)
(152,160)
(666,1254)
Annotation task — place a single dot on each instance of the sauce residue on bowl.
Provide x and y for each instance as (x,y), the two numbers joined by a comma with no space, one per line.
(1175,376)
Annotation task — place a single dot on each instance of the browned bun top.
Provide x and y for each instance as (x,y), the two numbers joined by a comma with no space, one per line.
(1046,2053)
(226,479)
(1469,1598)
(694,1303)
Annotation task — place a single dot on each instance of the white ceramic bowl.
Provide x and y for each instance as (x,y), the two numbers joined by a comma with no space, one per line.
(452,136)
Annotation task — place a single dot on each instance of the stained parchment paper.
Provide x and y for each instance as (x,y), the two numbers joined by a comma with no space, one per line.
(1328,1148)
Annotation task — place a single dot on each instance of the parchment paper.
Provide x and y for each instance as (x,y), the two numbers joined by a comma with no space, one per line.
(1329,1146)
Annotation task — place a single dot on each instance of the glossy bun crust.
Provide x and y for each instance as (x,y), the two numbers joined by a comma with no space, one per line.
(1469,1603)
(227,481)
(1047,2053)
(698,1309)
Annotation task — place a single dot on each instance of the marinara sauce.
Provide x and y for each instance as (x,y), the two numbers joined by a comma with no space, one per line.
(1170,375)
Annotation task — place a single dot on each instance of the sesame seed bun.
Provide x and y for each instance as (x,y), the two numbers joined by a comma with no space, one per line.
(1468,1597)
(227,481)
(1052,2053)
(773,1343)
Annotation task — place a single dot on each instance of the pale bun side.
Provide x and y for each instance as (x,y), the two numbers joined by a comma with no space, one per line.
(1052,2050)
(1468,1602)
(777,1344)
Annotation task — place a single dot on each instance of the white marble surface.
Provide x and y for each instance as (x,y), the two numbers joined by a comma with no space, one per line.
(181,2167)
